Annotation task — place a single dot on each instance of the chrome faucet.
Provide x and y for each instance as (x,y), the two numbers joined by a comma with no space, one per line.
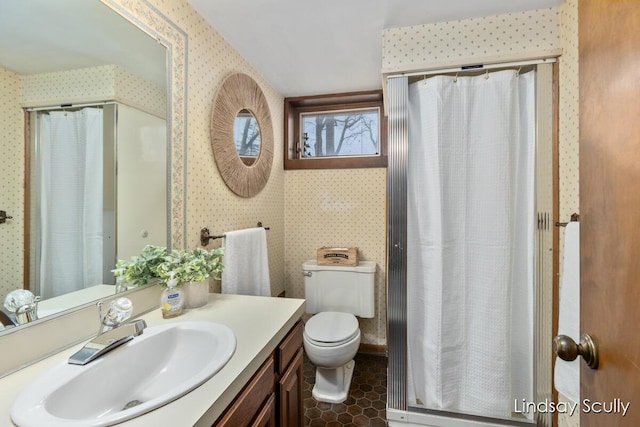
(112,333)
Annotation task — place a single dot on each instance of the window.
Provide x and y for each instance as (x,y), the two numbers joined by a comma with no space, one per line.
(335,131)
(340,133)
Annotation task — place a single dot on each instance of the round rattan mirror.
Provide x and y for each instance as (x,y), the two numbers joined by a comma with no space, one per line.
(238,95)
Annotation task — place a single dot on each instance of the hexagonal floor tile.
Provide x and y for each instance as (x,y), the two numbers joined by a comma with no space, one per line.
(366,403)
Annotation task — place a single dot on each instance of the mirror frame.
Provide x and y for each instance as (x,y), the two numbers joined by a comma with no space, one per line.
(34,341)
(240,92)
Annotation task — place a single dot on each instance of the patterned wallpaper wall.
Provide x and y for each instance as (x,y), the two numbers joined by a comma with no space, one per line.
(209,203)
(459,42)
(341,208)
(569,139)
(569,112)
(11,181)
(139,93)
(94,84)
(82,85)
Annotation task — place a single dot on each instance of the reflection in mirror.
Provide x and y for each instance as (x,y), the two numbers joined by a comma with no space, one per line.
(247,136)
(62,71)
(85,164)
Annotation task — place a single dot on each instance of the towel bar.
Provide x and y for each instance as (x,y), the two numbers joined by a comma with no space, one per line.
(574,217)
(205,234)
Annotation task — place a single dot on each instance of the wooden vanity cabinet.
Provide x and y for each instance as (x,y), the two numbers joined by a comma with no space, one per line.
(289,357)
(267,415)
(251,407)
(273,397)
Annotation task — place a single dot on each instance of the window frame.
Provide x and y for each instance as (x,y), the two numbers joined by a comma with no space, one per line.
(326,103)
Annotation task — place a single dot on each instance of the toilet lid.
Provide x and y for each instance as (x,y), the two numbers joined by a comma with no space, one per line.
(331,326)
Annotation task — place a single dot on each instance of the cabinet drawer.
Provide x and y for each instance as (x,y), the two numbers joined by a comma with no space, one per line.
(245,407)
(289,346)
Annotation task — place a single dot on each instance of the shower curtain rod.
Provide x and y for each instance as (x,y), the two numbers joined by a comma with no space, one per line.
(68,106)
(473,67)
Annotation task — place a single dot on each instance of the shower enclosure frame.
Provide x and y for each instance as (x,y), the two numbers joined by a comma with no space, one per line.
(399,412)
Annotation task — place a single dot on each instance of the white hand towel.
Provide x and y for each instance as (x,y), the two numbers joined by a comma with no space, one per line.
(246,262)
(567,374)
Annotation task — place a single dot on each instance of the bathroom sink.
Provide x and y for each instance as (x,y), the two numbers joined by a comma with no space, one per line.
(153,369)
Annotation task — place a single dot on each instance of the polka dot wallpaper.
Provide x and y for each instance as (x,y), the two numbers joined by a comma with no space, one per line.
(94,84)
(342,208)
(569,112)
(11,181)
(139,93)
(532,31)
(82,85)
(410,48)
(209,203)
(569,105)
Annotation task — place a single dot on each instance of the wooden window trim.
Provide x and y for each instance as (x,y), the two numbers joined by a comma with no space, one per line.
(342,101)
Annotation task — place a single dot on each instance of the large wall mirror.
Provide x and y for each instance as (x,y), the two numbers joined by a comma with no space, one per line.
(242,135)
(88,57)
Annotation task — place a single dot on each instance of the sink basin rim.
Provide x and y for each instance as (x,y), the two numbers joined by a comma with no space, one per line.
(30,408)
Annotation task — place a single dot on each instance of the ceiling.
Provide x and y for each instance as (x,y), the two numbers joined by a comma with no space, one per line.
(332,46)
(44,36)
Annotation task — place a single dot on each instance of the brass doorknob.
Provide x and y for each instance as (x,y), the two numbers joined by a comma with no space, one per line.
(567,349)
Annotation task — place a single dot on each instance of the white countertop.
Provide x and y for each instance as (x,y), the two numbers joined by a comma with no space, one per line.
(259,324)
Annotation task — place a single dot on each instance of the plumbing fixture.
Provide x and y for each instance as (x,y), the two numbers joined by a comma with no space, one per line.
(113,331)
(22,306)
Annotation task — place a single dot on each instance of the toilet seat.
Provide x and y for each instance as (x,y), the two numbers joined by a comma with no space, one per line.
(330,328)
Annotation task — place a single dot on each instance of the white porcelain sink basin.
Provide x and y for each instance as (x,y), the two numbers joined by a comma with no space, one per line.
(159,366)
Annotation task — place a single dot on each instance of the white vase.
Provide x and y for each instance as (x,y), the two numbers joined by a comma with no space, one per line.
(196,294)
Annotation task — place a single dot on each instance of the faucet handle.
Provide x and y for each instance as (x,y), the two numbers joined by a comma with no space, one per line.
(18,298)
(119,310)
(23,304)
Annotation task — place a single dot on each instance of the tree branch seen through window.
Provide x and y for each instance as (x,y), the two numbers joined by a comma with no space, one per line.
(345,130)
(340,134)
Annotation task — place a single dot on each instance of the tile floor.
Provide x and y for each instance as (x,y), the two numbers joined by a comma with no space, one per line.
(367,397)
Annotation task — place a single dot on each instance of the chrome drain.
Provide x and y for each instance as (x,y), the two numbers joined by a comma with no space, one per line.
(132,404)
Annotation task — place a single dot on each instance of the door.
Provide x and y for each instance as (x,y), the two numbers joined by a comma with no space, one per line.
(609,39)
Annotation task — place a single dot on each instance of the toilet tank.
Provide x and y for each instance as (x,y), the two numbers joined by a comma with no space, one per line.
(343,289)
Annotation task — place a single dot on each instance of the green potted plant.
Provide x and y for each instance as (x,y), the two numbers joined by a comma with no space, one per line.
(139,270)
(191,269)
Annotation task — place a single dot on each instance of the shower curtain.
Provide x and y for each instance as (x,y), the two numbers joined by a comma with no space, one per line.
(470,255)
(70,160)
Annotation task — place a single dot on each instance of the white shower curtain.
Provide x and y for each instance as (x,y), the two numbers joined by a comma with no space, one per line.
(470,255)
(70,160)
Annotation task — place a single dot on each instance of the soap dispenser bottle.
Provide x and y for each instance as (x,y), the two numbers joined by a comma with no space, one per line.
(172,299)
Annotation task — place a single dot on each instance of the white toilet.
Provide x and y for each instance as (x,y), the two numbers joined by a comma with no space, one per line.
(332,336)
